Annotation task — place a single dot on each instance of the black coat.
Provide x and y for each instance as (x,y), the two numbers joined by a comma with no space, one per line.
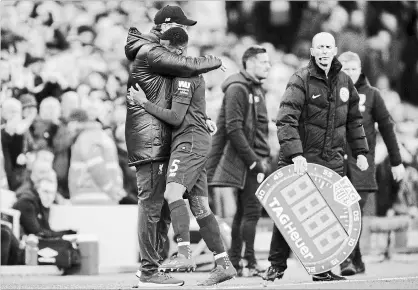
(34,217)
(13,146)
(232,150)
(318,116)
(374,110)
(153,67)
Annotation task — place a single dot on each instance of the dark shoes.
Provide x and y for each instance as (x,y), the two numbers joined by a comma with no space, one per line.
(348,268)
(272,273)
(253,270)
(360,268)
(327,276)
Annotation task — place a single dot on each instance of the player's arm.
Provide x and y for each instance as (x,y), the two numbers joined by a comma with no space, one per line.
(183,90)
(355,131)
(287,123)
(387,128)
(173,116)
(162,61)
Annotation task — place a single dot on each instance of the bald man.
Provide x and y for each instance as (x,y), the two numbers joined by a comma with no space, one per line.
(319,114)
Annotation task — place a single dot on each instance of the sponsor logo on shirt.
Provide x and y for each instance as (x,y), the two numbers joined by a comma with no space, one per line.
(184,87)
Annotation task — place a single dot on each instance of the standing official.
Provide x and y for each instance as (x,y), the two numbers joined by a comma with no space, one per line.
(240,151)
(318,114)
(373,109)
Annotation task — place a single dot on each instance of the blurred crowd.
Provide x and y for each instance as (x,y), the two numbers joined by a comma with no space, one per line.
(64,74)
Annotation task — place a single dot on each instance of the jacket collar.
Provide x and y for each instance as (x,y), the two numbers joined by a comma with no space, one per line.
(249,78)
(318,72)
(362,82)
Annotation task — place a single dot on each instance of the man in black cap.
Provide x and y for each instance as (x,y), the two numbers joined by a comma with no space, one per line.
(148,139)
(190,146)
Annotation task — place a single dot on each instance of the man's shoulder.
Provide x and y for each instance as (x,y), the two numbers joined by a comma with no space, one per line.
(301,73)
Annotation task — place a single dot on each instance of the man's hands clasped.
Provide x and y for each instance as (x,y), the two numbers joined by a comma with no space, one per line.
(261,167)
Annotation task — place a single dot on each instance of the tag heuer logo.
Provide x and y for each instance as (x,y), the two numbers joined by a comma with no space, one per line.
(47,253)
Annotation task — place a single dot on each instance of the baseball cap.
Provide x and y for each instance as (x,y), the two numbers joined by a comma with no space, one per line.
(170,14)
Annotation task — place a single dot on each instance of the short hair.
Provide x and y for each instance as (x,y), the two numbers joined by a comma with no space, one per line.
(177,36)
(251,52)
(349,56)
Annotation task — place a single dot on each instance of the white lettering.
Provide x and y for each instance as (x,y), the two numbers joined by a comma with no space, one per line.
(184,84)
(294,235)
(284,218)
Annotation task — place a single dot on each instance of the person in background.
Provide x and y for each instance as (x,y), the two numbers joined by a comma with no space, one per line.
(240,151)
(14,141)
(129,176)
(11,253)
(63,140)
(373,110)
(319,114)
(94,176)
(34,199)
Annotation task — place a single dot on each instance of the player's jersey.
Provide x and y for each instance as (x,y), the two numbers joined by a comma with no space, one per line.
(193,134)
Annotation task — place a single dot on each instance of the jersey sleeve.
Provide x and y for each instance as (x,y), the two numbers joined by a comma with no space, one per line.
(183,90)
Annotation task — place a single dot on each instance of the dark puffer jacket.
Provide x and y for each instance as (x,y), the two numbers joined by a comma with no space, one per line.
(374,110)
(317,115)
(153,66)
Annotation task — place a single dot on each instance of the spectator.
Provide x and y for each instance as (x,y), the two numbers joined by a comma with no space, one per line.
(95,176)
(14,142)
(389,96)
(34,199)
(11,254)
(129,175)
(62,141)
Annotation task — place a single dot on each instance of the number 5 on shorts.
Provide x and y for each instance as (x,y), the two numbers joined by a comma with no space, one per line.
(174,168)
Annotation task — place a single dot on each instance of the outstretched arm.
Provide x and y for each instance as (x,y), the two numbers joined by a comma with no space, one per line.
(164,62)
